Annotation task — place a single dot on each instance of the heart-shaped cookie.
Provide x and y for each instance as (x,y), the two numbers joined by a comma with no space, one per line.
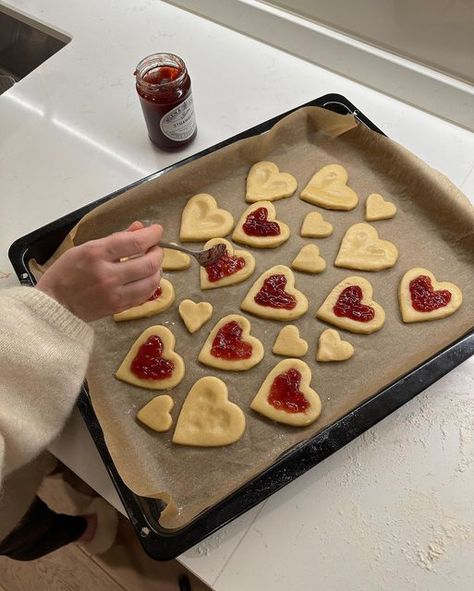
(350,306)
(265,182)
(274,296)
(309,260)
(208,418)
(230,345)
(156,414)
(422,298)
(174,260)
(259,227)
(202,220)
(362,249)
(161,300)
(286,395)
(152,362)
(234,267)
(289,343)
(332,348)
(315,226)
(376,208)
(328,188)
(194,315)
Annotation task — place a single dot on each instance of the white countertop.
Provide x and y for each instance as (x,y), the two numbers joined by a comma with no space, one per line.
(392,510)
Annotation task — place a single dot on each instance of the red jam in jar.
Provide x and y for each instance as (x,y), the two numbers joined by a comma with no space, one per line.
(285,392)
(223,267)
(273,294)
(155,295)
(349,305)
(164,89)
(228,343)
(257,224)
(424,298)
(149,363)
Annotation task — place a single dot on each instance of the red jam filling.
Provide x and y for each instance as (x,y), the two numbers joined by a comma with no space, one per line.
(149,363)
(155,295)
(224,267)
(285,393)
(424,298)
(273,294)
(228,343)
(349,305)
(257,224)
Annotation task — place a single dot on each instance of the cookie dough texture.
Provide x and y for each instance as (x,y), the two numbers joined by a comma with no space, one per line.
(362,249)
(151,307)
(202,219)
(265,182)
(156,414)
(308,260)
(328,188)
(238,277)
(332,348)
(376,208)
(289,343)
(174,260)
(261,241)
(315,226)
(194,315)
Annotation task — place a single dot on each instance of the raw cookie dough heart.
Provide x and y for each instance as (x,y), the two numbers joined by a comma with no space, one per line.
(286,396)
(208,418)
(152,362)
(174,260)
(161,300)
(194,315)
(289,343)
(230,345)
(421,297)
(259,227)
(332,348)
(376,208)
(327,188)
(156,414)
(350,306)
(274,296)
(315,226)
(309,260)
(266,182)
(362,249)
(202,219)
(234,267)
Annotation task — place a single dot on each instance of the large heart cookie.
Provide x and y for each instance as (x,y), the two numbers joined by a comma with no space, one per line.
(328,188)
(194,315)
(152,362)
(161,300)
(362,249)
(332,348)
(421,297)
(286,395)
(309,260)
(376,208)
(289,343)
(274,296)
(265,182)
(208,418)
(315,226)
(259,227)
(230,345)
(202,219)
(174,260)
(350,306)
(234,267)
(156,414)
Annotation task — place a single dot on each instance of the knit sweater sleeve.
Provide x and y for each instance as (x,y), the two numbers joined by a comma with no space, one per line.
(44,352)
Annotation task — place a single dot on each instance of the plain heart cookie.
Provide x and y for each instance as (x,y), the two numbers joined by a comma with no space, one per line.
(274,296)
(362,249)
(308,260)
(376,208)
(161,299)
(315,226)
(208,418)
(152,362)
(332,348)
(286,395)
(174,260)
(233,267)
(289,343)
(265,182)
(328,188)
(194,315)
(156,414)
(259,227)
(202,220)
(423,298)
(350,306)
(230,345)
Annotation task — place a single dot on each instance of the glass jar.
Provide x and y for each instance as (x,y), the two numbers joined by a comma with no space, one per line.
(164,89)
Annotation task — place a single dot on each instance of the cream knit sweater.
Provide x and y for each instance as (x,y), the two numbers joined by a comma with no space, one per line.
(44,351)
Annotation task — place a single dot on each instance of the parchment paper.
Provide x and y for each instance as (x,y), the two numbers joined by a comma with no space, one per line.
(434,228)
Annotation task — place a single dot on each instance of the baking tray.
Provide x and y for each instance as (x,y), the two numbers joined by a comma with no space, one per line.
(161,543)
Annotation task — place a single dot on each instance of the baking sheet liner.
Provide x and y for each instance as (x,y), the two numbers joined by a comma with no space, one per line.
(433,228)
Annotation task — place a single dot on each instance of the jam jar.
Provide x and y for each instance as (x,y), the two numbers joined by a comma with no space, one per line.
(164,89)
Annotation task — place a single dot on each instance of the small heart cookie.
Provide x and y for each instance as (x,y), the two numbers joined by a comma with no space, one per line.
(265,182)
(422,298)
(376,208)
(289,343)
(328,188)
(194,315)
(208,418)
(202,220)
(161,300)
(309,260)
(332,348)
(156,414)
(234,267)
(362,249)
(350,306)
(286,395)
(174,260)
(259,227)
(315,226)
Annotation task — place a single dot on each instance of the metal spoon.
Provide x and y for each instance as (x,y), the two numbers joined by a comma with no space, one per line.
(204,257)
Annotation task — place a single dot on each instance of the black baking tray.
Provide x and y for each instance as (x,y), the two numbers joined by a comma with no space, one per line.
(165,544)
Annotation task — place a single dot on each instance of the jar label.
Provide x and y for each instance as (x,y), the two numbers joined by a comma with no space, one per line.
(179,124)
